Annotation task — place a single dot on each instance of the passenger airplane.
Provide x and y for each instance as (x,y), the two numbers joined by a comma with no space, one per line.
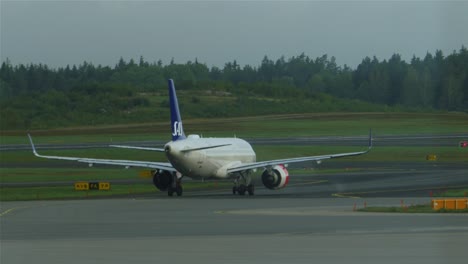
(207,158)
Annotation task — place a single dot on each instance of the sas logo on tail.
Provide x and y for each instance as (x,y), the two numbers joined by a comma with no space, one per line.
(177,129)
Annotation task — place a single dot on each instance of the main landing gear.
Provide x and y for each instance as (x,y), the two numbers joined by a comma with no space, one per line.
(177,190)
(175,186)
(243,187)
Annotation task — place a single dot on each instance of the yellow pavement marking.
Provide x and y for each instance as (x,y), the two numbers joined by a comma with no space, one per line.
(342,195)
(11,210)
(307,183)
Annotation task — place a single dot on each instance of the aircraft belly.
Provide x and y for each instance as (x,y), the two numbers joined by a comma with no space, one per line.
(196,168)
(212,162)
(223,157)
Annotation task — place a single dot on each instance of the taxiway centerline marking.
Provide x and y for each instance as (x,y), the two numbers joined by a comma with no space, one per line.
(308,183)
(339,195)
(12,210)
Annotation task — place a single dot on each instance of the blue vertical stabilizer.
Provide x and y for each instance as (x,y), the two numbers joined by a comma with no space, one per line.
(176,120)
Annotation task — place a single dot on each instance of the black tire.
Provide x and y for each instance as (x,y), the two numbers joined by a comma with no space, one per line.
(234,190)
(241,189)
(170,191)
(251,189)
(179,190)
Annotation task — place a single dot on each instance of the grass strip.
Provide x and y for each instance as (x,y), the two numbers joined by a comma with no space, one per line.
(453,193)
(422,208)
(19,175)
(68,192)
(315,124)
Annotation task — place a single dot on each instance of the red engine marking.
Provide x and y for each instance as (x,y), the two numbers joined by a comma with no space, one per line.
(286,174)
(284,169)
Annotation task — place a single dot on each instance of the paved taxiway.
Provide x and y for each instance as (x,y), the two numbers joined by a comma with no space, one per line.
(236,230)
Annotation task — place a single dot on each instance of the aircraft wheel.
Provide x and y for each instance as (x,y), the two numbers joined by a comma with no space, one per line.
(251,189)
(242,188)
(179,190)
(170,191)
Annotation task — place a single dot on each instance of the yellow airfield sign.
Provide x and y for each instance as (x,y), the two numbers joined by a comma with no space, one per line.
(86,186)
(81,186)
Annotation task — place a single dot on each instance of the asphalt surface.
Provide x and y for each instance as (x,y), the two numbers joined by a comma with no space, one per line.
(227,231)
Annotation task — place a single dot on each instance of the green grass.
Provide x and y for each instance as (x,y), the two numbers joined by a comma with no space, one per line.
(24,156)
(453,193)
(68,192)
(9,175)
(323,124)
(425,208)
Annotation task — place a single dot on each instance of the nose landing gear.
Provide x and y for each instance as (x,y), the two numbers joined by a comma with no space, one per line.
(175,186)
(177,190)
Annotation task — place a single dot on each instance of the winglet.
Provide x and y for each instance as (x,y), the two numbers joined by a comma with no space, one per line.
(176,120)
(370,138)
(32,145)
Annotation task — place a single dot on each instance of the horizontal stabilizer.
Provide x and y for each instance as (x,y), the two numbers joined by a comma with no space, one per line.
(140,148)
(208,147)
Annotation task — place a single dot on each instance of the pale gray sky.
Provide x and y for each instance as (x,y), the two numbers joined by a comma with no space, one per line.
(58,33)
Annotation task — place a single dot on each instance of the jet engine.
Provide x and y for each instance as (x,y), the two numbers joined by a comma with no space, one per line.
(162,180)
(275,178)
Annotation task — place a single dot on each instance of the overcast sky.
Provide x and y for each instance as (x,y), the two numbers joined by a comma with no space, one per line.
(58,33)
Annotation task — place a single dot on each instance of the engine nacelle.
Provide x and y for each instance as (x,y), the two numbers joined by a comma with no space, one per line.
(162,180)
(276,178)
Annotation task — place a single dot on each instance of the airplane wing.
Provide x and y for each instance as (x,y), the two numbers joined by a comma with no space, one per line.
(127,163)
(263,164)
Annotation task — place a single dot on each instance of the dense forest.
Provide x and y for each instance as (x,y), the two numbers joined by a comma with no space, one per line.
(36,96)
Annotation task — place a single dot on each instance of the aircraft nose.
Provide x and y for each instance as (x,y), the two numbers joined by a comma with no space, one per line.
(167,149)
(172,152)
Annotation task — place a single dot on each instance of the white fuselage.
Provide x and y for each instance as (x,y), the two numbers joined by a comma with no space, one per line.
(210,162)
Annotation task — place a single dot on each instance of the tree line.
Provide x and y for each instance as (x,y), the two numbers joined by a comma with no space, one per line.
(435,82)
